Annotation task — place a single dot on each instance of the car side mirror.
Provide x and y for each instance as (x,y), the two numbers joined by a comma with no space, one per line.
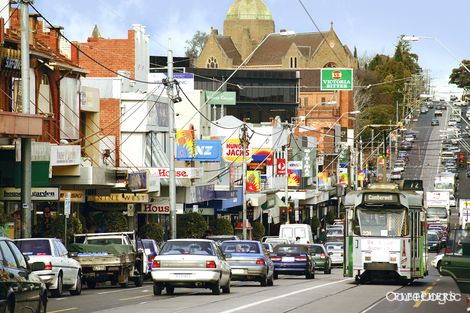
(227,255)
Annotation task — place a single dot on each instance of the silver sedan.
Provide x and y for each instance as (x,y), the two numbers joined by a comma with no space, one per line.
(190,263)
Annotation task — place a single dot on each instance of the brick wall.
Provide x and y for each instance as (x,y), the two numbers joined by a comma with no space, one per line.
(109,121)
(116,54)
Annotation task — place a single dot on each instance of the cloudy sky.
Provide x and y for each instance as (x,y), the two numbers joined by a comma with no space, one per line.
(370,25)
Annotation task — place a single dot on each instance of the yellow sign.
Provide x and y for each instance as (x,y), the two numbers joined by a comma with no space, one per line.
(76,196)
(253,181)
(121,198)
(233,151)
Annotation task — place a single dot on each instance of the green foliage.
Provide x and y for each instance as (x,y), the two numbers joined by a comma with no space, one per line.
(222,226)
(460,76)
(114,221)
(330,217)
(258,231)
(57,226)
(4,218)
(314,223)
(152,231)
(195,45)
(191,225)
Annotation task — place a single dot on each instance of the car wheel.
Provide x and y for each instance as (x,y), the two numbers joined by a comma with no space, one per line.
(226,289)
(60,287)
(275,275)
(170,290)
(271,281)
(264,281)
(216,288)
(157,289)
(439,267)
(91,284)
(78,288)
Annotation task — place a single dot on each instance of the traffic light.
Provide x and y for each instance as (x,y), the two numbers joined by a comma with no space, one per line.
(461,160)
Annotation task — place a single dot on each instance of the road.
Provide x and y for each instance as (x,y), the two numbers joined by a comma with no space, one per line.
(325,293)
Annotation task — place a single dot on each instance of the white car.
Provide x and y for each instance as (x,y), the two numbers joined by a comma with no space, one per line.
(60,272)
(335,251)
(436,262)
(190,263)
(396,175)
(398,168)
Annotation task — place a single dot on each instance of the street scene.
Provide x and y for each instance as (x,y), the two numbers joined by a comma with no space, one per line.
(234,156)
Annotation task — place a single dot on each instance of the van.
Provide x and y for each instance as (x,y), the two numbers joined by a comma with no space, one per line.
(292,231)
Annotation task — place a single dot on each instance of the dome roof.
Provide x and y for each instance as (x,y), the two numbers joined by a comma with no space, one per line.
(249,10)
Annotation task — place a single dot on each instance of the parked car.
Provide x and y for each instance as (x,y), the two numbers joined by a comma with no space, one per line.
(406,145)
(335,251)
(396,175)
(321,257)
(22,290)
(434,122)
(151,250)
(190,263)
(249,261)
(293,259)
(60,272)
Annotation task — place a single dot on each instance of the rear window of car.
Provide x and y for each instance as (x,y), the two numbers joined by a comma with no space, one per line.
(34,247)
(290,249)
(334,247)
(316,249)
(247,247)
(187,247)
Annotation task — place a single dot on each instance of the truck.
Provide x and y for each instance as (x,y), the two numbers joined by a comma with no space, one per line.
(437,207)
(464,213)
(445,182)
(110,257)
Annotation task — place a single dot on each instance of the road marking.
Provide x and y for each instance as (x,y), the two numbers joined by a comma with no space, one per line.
(64,310)
(114,291)
(373,305)
(246,306)
(136,297)
(425,292)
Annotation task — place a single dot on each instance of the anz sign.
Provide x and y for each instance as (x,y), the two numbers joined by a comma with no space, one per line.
(206,150)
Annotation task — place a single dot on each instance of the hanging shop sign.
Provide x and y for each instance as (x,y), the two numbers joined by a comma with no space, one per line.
(137,181)
(233,151)
(121,198)
(221,97)
(205,150)
(185,145)
(307,163)
(160,206)
(294,178)
(65,155)
(181,172)
(253,181)
(76,196)
(294,165)
(37,194)
(281,167)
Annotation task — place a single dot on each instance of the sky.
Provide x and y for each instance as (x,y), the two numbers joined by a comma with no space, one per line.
(370,25)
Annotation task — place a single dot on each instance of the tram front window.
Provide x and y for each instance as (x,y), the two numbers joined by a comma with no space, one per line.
(381,223)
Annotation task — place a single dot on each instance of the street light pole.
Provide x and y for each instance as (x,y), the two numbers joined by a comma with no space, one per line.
(172,136)
(244,141)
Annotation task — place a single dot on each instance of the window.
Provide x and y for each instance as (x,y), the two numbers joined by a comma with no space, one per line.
(18,255)
(9,258)
(293,62)
(34,247)
(212,63)
(330,64)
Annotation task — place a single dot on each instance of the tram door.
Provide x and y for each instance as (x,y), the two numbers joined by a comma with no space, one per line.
(415,235)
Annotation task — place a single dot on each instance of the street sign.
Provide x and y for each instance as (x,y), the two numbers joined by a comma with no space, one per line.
(67,201)
(336,79)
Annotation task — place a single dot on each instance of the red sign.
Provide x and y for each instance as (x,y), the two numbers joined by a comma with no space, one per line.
(156,208)
(189,172)
(281,167)
(337,75)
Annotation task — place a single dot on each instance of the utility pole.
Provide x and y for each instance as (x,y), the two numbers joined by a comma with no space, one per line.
(244,141)
(172,135)
(286,182)
(25,142)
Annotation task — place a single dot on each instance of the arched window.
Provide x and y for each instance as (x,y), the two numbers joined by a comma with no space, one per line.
(293,62)
(330,64)
(212,63)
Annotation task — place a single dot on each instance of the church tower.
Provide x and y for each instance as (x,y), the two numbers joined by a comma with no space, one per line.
(247,23)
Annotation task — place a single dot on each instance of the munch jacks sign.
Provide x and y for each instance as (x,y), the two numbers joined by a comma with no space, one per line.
(233,151)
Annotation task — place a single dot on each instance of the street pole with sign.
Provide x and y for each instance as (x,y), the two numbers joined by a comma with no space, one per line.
(67,200)
(244,141)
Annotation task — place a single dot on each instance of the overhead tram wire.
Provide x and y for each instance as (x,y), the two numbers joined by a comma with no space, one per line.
(89,56)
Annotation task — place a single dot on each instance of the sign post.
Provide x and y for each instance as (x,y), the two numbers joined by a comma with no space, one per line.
(67,201)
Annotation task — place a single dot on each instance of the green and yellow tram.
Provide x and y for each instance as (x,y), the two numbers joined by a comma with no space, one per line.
(385,235)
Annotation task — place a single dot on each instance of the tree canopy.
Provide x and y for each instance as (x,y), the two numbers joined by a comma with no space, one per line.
(195,45)
(460,76)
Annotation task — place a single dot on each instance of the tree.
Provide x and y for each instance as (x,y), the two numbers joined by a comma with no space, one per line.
(191,225)
(57,227)
(222,226)
(460,76)
(195,45)
(258,231)
(115,221)
(152,231)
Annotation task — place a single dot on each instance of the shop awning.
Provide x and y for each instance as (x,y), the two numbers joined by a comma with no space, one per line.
(256,199)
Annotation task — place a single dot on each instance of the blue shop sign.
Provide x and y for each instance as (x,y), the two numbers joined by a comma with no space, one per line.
(206,150)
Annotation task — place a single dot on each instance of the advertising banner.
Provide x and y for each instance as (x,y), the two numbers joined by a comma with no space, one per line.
(205,150)
(253,181)
(185,144)
(281,167)
(336,79)
(233,151)
(294,178)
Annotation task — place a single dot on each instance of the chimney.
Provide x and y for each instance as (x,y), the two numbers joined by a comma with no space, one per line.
(214,31)
(33,25)
(54,39)
(74,53)
(283,30)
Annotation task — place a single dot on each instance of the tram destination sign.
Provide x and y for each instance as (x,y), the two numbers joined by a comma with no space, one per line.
(376,198)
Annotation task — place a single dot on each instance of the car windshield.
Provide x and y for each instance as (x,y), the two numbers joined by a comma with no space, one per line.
(34,247)
(433,237)
(331,247)
(316,249)
(290,249)
(439,212)
(187,247)
(242,247)
(382,222)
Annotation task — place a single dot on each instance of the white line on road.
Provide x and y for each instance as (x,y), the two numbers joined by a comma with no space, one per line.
(114,291)
(246,306)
